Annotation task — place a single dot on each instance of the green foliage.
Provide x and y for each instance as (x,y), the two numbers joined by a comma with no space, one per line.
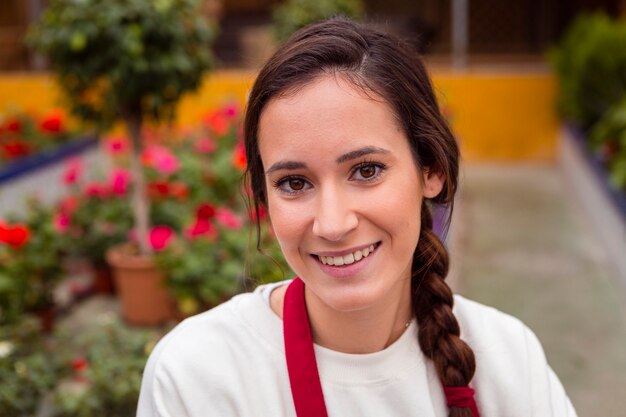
(97,223)
(104,366)
(23,134)
(124,56)
(590,63)
(294,14)
(28,369)
(30,272)
(608,137)
(206,268)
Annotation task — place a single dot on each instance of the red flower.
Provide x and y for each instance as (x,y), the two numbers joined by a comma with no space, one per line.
(205,211)
(160,237)
(79,365)
(228,219)
(53,122)
(157,189)
(68,204)
(13,125)
(179,190)
(218,122)
(15,149)
(15,236)
(201,227)
(239,157)
(95,189)
(73,169)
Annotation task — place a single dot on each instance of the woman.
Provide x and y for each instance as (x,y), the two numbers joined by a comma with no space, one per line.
(346,146)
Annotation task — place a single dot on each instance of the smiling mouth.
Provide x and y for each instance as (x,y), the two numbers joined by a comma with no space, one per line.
(350,258)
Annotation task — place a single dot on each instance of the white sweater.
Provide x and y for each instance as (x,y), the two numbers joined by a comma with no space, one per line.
(230,362)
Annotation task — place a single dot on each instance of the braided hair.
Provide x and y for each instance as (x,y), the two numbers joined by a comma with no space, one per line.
(385,66)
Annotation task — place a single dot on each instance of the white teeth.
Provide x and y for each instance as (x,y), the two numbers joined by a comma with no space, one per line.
(347,259)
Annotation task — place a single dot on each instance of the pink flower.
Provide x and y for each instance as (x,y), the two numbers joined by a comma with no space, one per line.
(160,237)
(201,227)
(161,159)
(117,145)
(228,219)
(231,110)
(205,145)
(73,170)
(260,216)
(120,178)
(61,222)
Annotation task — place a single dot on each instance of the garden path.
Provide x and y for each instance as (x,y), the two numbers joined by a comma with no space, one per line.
(524,246)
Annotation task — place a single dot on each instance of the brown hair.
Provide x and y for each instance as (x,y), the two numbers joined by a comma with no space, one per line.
(387,67)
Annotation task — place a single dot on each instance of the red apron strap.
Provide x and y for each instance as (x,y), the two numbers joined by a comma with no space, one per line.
(306,388)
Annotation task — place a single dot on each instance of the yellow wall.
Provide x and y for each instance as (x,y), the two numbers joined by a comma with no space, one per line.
(501,117)
(497,116)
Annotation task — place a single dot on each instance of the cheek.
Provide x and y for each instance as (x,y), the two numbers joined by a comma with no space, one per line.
(288,223)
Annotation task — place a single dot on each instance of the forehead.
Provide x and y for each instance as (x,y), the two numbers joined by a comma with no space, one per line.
(330,114)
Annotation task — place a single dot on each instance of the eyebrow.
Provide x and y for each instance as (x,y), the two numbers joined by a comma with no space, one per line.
(357,153)
(368,150)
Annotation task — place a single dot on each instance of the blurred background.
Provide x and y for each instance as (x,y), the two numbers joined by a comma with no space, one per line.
(121,209)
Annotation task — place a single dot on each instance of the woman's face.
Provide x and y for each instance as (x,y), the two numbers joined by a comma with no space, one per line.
(344,194)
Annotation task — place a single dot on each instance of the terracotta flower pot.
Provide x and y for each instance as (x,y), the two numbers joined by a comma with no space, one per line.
(103,279)
(141,287)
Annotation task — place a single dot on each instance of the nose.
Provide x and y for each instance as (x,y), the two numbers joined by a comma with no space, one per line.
(335,216)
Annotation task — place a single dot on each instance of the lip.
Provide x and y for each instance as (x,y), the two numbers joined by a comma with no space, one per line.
(347,251)
(346,271)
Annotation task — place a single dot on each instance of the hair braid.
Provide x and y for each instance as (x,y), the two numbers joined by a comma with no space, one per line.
(439,330)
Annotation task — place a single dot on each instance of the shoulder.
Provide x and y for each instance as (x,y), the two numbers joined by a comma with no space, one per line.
(512,374)
(198,356)
(497,338)
(485,325)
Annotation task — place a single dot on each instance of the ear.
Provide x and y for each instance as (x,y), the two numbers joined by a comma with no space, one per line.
(433,184)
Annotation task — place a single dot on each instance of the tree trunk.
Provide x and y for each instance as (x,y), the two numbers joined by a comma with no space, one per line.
(141,207)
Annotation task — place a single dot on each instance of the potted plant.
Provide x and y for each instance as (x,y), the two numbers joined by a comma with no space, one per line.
(126,61)
(204,250)
(94,216)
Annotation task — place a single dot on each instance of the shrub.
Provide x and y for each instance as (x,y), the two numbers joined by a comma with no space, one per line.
(590,63)
(294,14)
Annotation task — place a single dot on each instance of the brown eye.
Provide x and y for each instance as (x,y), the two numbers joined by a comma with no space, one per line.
(367,171)
(296,184)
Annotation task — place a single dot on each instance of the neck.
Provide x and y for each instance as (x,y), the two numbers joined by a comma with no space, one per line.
(363,331)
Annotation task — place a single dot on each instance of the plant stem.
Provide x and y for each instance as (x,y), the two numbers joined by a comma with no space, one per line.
(141,207)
